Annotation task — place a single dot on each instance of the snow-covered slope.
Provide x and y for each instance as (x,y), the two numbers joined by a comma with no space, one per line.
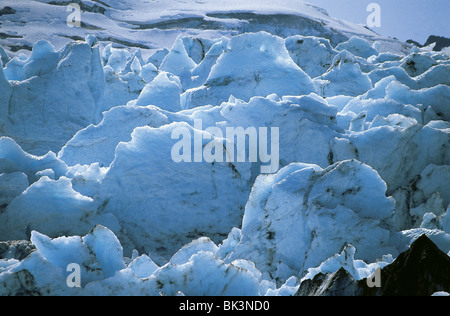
(151,25)
(122,163)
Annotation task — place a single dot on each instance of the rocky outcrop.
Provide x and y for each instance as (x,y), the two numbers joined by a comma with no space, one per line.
(339,283)
(18,250)
(441,42)
(422,270)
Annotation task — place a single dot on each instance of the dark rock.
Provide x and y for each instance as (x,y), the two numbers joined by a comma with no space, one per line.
(339,283)
(422,270)
(84,7)
(21,283)
(18,250)
(413,42)
(7,10)
(441,42)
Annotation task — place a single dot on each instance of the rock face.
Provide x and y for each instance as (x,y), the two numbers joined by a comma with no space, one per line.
(422,270)
(18,250)
(339,283)
(441,42)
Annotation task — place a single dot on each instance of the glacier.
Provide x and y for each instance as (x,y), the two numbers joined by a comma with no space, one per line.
(86,134)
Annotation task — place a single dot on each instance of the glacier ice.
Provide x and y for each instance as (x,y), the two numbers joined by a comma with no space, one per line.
(294,219)
(87,177)
(346,259)
(252,65)
(48,102)
(344,77)
(358,47)
(43,204)
(417,63)
(11,186)
(312,54)
(14,159)
(163,91)
(178,62)
(97,143)
(204,198)
(4,58)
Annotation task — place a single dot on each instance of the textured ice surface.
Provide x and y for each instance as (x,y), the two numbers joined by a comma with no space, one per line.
(88,129)
(252,65)
(203,198)
(303,214)
(56,93)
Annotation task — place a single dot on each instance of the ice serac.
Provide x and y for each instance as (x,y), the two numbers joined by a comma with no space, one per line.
(4,58)
(377,147)
(98,253)
(14,159)
(202,275)
(359,47)
(433,179)
(186,252)
(164,91)
(97,143)
(358,269)
(157,57)
(417,63)
(60,93)
(125,76)
(302,215)
(205,275)
(201,72)
(5,95)
(49,206)
(16,249)
(298,119)
(163,204)
(178,62)
(437,97)
(143,267)
(11,185)
(50,261)
(254,64)
(344,77)
(314,55)
(107,249)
